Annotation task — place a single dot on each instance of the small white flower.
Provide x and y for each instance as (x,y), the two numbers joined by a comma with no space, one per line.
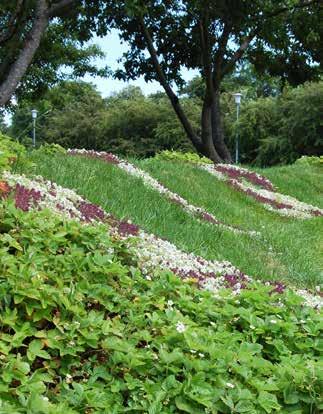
(252,327)
(273,321)
(180,327)
(229,385)
(69,378)
(170,303)
(201,355)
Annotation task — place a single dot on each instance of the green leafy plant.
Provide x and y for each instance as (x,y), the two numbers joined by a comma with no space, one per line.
(10,152)
(309,161)
(51,149)
(83,331)
(190,157)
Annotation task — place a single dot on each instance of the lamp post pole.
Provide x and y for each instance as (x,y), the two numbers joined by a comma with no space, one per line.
(34,117)
(237,98)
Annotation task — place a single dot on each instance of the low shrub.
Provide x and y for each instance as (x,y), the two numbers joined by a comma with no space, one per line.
(190,157)
(82,331)
(10,151)
(309,161)
(51,149)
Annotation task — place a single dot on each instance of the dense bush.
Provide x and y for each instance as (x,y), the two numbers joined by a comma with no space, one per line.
(83,332)
(191,157)
(10,151)
(272,130)
(50,149)
(74,115)
(141,126)
(310,161)
(278,130)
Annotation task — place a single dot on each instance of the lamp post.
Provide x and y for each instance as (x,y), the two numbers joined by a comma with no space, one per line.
(34,113)
(237,99)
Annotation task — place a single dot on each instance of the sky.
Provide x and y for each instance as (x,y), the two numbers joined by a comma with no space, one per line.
(113,49)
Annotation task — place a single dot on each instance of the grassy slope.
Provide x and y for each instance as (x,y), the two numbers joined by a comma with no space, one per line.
(303,182)
(295,244)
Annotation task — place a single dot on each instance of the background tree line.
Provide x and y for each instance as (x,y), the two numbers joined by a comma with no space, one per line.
(39,38)
(277,125)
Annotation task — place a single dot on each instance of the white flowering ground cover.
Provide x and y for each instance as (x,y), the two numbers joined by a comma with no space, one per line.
(152,252)
(151,182)
(261,189)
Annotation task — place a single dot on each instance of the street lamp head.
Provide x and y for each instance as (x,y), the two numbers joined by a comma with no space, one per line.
(34,113)
(237,98)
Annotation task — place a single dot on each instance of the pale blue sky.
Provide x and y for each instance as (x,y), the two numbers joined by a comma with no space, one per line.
(114,49)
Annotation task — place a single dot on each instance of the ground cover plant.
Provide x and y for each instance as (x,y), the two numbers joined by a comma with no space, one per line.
(151,252)
(82,331)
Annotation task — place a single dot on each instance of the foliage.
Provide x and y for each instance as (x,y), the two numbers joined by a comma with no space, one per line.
(51,149)
(212,37)
(68,115)
(278,130)
(10,151)
(191,157)
(73,114)
(82,331)
(309,161)
(61,54)
(243,79)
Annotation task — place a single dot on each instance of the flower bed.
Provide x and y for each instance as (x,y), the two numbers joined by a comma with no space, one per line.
(153,183)
(82,331)
(249,182)
(152,253)
(235,172)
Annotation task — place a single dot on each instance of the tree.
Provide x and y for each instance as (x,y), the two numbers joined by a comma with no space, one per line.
(279,129)
(37,38)
(73,114)
(243,79)
(211,36)
(70,114)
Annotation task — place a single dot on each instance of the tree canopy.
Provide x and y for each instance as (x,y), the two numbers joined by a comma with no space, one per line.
(37,40)
(212,36)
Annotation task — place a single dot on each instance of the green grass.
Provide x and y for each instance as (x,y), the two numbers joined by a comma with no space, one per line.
(301,181)
(289,249)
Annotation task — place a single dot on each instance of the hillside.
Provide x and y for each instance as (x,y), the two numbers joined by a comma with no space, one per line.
(286,249)
(197,305)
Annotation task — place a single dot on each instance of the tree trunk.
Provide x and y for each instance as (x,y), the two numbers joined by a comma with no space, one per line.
(19,67)
(206,123)
(217,129)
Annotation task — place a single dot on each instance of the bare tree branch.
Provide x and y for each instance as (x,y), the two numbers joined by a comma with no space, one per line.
(219,55)
(239,53)
(169,91)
